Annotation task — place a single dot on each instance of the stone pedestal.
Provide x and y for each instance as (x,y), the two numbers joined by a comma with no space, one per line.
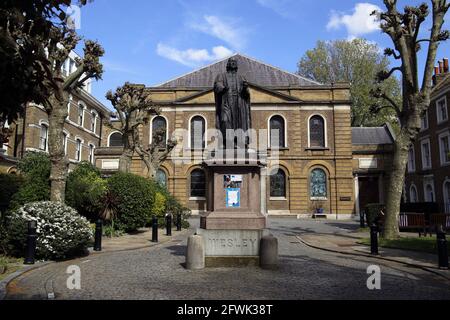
(233,226)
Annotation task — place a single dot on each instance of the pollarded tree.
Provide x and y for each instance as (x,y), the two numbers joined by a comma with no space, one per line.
(404,29)
(133,108)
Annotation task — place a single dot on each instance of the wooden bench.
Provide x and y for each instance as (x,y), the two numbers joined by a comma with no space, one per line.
(413,221)
(438,219)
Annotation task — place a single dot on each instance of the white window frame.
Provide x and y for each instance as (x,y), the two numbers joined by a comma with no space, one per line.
(4,146)
(412,161)
(68,107)
(444,195)
(41,125)
(424,120)
(109,137)
(442,155)
(94,116)
(411,188)
(269,133)
(440,118)
(91,153)
(82,106)
(167,128)
(424,166)
(205,138)
(78,151)
(325,129)
(66,136)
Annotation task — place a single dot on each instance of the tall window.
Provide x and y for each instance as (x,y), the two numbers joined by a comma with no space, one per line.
(424,121)
(429,193)
(198,183)
(78,151)
(447,196)
(159,131)
(161,177)
(65,137)
(317,132)
(93,122)
(115,140)
(91,153)
(277,132)
(442,113)
(426,155)
(278,184)
(43,141)
(198,130)
(411,160)
(80,114)
(444,148)
(318,184)
(413,198)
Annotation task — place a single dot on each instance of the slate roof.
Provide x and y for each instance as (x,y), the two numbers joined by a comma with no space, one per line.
(372,136)
(254,71)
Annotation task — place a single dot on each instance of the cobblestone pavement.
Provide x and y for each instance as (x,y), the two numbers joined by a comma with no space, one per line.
(304,273)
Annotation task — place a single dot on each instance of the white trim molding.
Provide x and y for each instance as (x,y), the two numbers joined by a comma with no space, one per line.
(205,138)
(439,114)
(269,130)
(325,127)
(425,165)
(151,127)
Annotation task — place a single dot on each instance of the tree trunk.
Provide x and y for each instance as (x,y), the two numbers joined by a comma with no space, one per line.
(59,162)
(395,187)
(125,160)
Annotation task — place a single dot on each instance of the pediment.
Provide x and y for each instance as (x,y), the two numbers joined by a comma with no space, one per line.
(258,95)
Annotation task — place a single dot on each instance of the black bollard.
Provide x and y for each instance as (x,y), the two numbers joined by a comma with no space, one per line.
(361,219)
(98,235)
(155,229)
(31,243)
(179,222)
(374,239)
(169,224)
(442,248)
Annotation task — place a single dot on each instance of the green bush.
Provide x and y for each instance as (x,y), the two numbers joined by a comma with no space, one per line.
(35,167)
(85,190)
(134,200)
(9,185)
(172,205)
(62,232)
(372,212)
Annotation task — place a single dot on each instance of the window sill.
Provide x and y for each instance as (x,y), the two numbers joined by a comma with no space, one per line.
(278,199)
(197,199)
(318,149)
(278,149)
(319,199)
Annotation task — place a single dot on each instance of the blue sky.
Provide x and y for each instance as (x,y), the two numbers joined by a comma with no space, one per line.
(151,41)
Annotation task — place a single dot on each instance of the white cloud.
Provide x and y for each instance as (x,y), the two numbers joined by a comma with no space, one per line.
(192,57)
(224,29)
(359,23)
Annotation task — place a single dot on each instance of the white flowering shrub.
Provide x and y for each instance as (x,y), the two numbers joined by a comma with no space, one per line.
(61,231)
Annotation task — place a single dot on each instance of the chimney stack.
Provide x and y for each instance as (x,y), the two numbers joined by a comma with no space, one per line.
(441,67)
(446,66)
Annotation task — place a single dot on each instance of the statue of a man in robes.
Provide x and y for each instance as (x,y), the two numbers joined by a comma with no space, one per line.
(233,103)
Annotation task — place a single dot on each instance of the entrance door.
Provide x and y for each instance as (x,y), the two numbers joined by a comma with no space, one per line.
(368,191)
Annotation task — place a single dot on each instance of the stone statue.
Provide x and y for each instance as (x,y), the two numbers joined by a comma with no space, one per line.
(232,102)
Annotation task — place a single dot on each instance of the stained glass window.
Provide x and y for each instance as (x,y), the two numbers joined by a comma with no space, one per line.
(278,184)
(159,129)
(277,128)
(318,184)
(115,140)
(198,183)
(198,133)
(161,177)
(317,132)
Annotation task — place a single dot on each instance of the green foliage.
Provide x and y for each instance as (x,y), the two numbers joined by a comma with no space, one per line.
(35,165)
(85,190)
(357,62)
(372,212)
(9,185)
(30,191)
(62,232)
(135,196)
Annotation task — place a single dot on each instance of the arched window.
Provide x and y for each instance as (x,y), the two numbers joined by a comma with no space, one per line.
(317,132)
(159,131)
(198,183)
(447,196)
(43,138)
(429,193)
(93,121)
(161,177)
(78,151)
(277,132)
(278,184)
(115,140)
(198,130)
(413,198)
(91,153)
(318,184)
(66,137)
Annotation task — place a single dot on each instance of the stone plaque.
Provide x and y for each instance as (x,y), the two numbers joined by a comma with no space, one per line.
(226,243)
